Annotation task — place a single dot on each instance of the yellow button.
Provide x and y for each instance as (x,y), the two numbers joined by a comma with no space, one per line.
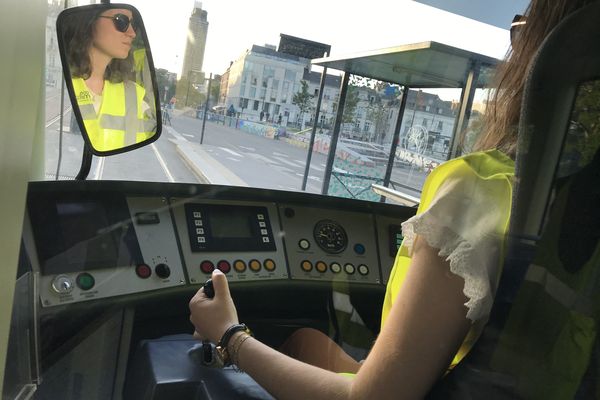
(254,265)
(306,265)
(269,264)
(321,266)
(239,265)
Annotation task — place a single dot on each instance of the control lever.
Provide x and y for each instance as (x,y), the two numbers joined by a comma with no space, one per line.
(206,352)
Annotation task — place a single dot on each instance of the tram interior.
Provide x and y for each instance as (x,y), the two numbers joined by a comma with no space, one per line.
(107,268)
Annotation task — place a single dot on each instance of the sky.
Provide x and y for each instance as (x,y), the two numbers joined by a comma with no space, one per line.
(350,26)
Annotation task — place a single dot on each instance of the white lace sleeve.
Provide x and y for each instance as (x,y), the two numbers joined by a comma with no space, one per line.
(462,222)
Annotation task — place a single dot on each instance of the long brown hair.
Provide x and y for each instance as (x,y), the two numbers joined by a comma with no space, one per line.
(502,116)
(78,37)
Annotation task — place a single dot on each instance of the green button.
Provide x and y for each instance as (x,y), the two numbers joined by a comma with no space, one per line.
(85,281)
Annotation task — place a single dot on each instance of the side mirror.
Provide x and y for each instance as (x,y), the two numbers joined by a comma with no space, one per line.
(110,76)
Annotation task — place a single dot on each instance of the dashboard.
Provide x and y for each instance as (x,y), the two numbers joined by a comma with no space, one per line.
(96,240)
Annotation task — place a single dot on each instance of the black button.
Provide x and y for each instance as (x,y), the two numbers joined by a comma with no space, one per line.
(162,270)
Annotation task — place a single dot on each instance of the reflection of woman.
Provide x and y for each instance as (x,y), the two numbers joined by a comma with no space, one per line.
(442,286)
(111,103)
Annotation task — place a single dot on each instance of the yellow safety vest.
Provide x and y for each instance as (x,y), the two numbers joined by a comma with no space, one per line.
(121,120)
(490,168)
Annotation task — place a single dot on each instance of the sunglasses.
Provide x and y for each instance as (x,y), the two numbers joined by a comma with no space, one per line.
(515,27)
(121,21)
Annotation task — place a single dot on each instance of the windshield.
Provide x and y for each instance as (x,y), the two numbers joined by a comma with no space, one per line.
(242,100)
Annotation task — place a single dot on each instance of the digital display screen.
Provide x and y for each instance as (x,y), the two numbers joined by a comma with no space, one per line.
(74,233)
(230,224)
(228,227)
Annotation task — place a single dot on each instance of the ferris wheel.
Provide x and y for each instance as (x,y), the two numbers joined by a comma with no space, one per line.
(416,139)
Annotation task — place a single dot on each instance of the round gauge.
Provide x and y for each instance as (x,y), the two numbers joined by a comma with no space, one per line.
(330,236)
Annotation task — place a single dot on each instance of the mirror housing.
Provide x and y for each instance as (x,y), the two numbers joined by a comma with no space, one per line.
(109,74)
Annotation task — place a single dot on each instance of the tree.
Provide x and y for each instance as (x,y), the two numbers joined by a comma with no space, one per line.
(164,80)
(302,99)
(377,113)
(186,91)
(350,104)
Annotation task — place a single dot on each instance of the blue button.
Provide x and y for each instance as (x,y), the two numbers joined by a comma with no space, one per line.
(359,248)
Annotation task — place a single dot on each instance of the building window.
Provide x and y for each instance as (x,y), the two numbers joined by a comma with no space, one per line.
(265,82)
(290,75)
(316,92)
(277,107)
(262,94)
(268,72)
(275,85)
(424,122)
(255,107)
(252,92)
(242,90)
(440,126)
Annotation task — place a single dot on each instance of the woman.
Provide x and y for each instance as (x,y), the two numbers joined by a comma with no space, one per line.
(100,58)
(444,279)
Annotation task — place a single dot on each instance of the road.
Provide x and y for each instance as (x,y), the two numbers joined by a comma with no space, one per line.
(254,161)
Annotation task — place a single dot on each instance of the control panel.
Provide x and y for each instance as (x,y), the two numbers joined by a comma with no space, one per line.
(242,239)
(104,251)
(330,244)
(102,242)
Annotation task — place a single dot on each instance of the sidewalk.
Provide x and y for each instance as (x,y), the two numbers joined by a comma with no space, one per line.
(202,164)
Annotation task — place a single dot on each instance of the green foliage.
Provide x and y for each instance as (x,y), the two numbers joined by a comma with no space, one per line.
(163,80)
(377,113)
(302,98)
(187,95)
(586,116)
(350,104)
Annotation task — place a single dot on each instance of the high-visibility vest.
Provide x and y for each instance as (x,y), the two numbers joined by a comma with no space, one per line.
(490,168)
(121,120)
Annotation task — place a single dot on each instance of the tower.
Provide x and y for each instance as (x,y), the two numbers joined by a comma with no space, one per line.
(195,43)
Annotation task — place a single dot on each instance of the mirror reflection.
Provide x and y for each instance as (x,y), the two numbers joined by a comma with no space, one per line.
(107,61)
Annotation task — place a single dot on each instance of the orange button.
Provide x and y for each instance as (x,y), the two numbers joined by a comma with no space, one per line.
(269,264)
(254,265)
(239,265)
(306,265)
(321,266)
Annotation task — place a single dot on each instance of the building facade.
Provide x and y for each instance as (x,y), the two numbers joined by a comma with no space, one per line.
(262,82)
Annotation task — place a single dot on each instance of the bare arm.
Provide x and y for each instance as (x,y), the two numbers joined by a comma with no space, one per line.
(423,332)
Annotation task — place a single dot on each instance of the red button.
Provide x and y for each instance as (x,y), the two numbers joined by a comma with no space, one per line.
(207,267)
(224,266)
(143,271)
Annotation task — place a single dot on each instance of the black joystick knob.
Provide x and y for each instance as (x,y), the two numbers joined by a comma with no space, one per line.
(209,289)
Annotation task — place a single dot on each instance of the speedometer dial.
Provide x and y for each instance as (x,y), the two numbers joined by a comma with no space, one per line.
(330,236)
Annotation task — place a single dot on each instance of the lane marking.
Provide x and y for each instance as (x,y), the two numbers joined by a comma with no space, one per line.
(53,120)
(280,154)
(162,163)
(99,168)
(290,163)
(247,148)
(188,135)
(233,153)
(262,158)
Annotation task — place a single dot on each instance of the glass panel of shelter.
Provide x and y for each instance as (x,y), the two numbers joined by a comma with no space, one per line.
(425,138)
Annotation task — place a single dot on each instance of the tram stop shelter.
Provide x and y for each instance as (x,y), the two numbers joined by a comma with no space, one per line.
(429,65)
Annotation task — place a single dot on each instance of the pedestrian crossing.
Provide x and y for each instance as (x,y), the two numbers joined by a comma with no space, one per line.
(283,162)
